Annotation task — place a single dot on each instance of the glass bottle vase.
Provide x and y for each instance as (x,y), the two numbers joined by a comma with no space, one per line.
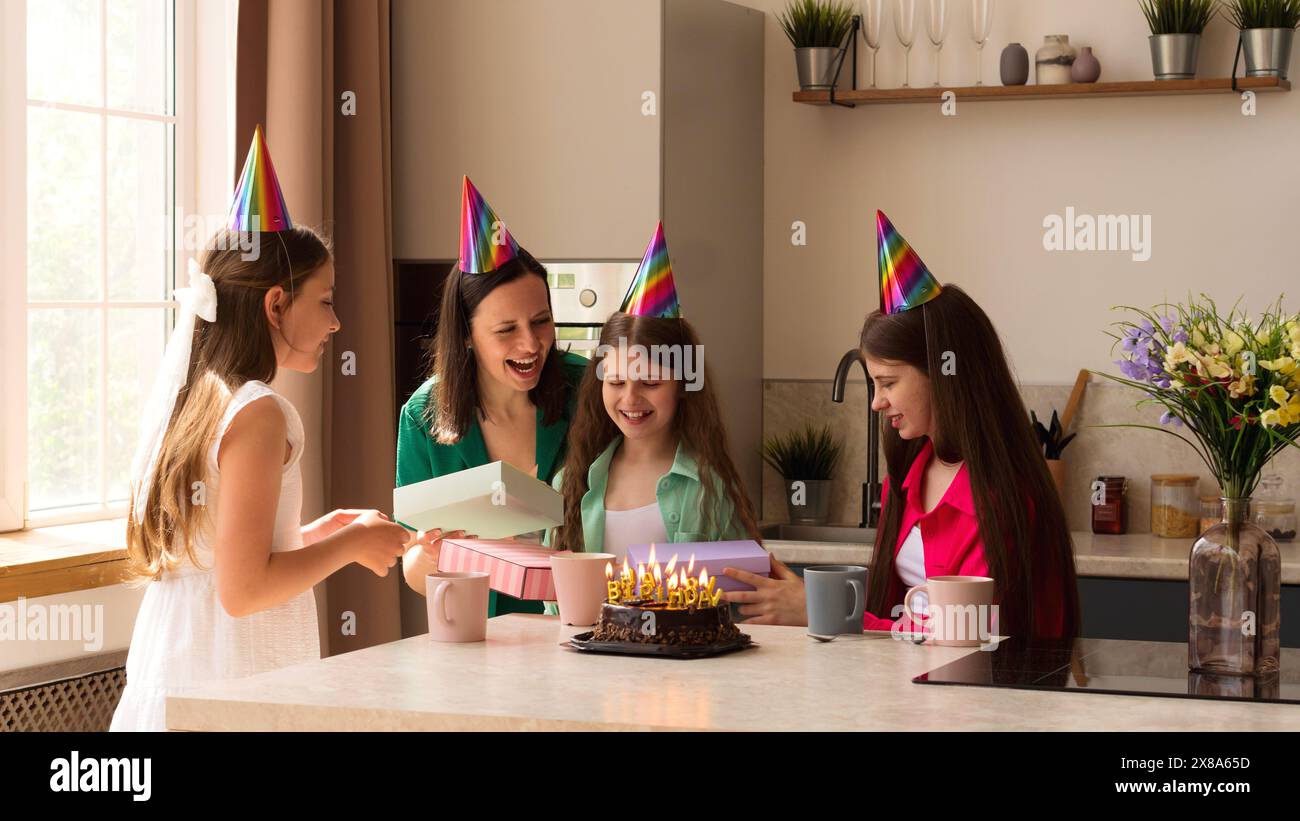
(1234,597)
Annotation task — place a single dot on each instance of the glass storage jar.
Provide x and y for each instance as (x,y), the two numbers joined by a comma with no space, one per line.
(1109,514)
(1273,511)
(1175,506)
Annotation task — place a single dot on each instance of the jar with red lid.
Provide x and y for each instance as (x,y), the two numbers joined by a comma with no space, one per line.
(1109,505)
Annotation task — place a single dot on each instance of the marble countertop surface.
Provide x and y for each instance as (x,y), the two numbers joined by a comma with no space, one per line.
(522,679)
(1132,556)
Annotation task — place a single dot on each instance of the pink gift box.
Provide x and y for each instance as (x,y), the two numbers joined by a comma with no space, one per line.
(743,554)
(515,568)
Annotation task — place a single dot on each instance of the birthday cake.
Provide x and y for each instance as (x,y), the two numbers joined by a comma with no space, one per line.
(656,623)
(683,612)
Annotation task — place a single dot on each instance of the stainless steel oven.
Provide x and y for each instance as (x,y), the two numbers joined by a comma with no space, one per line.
(583,295)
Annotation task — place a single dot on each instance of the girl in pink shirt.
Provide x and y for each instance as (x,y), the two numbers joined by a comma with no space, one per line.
(967,491)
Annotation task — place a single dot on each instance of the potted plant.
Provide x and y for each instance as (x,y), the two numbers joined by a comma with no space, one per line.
(1267,30)
(805,459)
(1233,385)
(1176,27)
(1053,442)
(816,28)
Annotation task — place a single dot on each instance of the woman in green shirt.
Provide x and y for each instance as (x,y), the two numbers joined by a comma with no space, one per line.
(500,389)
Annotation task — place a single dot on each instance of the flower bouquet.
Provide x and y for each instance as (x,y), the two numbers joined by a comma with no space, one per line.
(1232,387)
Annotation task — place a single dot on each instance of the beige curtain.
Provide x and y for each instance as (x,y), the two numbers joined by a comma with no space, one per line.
(296,59)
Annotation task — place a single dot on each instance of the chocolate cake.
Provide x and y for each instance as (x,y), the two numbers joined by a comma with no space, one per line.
(651,622)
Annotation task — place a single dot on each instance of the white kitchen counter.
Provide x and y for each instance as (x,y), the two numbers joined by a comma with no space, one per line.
(521,679)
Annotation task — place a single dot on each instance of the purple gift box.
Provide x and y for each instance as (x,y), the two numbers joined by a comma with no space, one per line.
(744,554)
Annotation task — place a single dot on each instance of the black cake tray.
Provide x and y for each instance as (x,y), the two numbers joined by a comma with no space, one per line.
(584,642)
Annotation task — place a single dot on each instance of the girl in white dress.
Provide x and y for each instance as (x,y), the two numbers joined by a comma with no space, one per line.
(216,514)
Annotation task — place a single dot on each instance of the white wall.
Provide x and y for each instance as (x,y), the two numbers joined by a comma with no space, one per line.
(557,143)
(970,192)
(109,618)
(214,107)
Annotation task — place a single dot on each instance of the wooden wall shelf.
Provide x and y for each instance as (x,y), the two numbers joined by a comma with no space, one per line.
(1140,88)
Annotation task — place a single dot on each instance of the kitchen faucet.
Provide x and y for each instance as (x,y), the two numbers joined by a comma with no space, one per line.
(871,487)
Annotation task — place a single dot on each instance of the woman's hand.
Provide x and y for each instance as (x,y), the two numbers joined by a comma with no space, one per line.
(328,525)
(778,600)
(421,558)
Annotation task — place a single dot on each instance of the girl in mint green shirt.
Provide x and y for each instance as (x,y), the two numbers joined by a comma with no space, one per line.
(647,457)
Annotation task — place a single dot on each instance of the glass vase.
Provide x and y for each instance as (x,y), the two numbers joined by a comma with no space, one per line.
(1234,597)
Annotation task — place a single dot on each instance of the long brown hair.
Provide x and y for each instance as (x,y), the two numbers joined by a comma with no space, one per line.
(979,418)
(455,402)
(697,423)
(225,354)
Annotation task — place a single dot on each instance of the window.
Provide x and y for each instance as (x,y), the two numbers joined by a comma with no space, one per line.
(87,280)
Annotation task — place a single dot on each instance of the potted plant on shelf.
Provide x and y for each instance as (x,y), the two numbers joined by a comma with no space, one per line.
(1176,27)
(806,459)
(1234,386)
(1053,442)
(816,28)
(1267,29)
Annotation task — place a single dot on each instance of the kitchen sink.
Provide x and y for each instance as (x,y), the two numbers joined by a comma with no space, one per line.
(786,532)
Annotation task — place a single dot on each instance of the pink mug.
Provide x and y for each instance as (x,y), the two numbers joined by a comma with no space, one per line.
(961,610)
(580,585)
(458,605)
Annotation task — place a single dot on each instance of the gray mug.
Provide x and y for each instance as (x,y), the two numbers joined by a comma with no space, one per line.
(837,598)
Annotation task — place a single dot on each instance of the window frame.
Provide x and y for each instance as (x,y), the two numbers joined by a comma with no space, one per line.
(14,305)
(13,264)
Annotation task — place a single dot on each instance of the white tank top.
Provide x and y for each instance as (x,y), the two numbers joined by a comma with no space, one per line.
(642,525)
(910,565)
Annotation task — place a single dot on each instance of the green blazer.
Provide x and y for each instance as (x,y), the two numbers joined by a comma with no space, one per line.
(419,457)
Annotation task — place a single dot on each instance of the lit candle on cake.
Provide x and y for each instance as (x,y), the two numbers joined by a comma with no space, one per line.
(613,591)
(628,580)
(668,571)
(651,584)
(674,594)
(707,583)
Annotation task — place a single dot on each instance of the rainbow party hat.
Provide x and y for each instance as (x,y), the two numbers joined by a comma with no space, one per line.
(485,244)
(905,282)
(258,204)
(652,292)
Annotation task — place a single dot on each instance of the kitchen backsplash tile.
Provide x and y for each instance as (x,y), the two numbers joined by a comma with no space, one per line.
(1130,452)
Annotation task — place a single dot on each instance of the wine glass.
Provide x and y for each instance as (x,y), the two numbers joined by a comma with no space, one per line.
(935,27)
(872,16)
(905,28)
(981,28)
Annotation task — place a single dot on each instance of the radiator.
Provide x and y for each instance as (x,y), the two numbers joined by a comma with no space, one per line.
(78,704)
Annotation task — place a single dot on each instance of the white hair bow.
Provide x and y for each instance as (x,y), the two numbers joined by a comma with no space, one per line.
(198,300)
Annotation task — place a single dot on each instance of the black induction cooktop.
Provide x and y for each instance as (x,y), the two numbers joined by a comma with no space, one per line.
(1136,668)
